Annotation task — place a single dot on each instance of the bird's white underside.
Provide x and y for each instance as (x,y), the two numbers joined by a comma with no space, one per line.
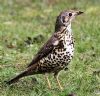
(68,38)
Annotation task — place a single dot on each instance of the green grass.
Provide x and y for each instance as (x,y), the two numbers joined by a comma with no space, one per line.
(20,19)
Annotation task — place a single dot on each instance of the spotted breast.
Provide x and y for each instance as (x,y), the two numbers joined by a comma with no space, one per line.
(61,55)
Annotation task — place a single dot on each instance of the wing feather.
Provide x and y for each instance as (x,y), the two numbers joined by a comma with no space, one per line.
(46,49)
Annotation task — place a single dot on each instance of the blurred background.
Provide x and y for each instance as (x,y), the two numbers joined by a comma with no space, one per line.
(26,24)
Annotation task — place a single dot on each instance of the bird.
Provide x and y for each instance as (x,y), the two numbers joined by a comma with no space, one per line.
(56,53)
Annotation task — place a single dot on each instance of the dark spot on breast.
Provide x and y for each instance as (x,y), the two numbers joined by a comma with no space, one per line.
(61,59)
(64,49)
(67,52)
(72,56)
(59,55)
(60,44)
(64,56)
(53,57)
(54,52)
(63,62)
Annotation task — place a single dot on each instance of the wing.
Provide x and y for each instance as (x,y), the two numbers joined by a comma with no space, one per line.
(46,49)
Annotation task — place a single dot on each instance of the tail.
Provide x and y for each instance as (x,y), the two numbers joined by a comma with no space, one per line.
(15,79)
(29,71)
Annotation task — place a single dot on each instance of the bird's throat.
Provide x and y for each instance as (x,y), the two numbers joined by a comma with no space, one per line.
(66,30)
(69,28)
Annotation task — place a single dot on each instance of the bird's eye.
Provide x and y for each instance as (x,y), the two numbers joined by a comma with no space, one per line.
(70,14)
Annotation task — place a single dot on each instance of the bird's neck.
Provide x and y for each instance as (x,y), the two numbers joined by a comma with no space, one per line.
(65,30)
(61,28)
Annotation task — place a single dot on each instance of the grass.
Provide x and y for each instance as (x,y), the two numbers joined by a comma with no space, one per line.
(21,21)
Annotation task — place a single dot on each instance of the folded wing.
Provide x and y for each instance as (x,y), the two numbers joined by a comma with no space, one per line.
(46,49)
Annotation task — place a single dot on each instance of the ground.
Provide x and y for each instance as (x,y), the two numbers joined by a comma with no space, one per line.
(26,24)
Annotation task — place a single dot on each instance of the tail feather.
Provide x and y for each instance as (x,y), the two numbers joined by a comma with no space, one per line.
(29,71)
(15,79)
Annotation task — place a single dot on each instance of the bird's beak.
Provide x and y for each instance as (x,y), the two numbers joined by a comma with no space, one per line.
(79,12)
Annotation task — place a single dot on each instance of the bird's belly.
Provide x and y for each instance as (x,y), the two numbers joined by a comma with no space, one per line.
(64,55)
(58,58)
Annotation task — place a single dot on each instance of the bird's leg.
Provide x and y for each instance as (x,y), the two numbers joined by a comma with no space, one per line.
(48,82)
(58,82)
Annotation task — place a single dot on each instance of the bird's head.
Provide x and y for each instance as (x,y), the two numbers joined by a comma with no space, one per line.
(65,18)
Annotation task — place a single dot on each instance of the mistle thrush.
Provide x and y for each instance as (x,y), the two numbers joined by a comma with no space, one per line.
(56,53)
